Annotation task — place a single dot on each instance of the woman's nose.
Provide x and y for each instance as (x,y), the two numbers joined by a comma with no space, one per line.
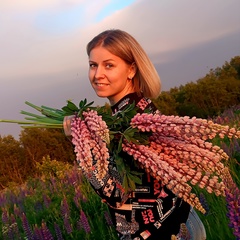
(99,72)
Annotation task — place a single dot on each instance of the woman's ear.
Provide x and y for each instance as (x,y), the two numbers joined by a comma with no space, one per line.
(132,70)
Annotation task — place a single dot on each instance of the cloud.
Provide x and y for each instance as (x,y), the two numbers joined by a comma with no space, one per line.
(45,34)
(36,5)
(171,25)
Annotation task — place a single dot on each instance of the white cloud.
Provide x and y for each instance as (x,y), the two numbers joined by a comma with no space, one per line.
(36,5)
(171,25)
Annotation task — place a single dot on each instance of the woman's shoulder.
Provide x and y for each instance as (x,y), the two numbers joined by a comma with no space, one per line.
(141,102)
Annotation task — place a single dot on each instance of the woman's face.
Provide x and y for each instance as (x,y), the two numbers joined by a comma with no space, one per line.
(109,75)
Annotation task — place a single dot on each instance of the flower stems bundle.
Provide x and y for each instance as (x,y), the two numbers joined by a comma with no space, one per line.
(49,118)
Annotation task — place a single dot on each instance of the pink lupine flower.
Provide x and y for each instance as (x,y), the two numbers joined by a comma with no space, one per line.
(163,171)
(97,127)
(89,137)
(186,126)
(81,139)
(209,163)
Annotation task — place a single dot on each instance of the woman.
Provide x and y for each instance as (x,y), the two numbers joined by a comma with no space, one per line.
(120,70)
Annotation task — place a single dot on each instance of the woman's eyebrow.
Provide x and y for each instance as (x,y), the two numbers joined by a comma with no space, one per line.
(107,60)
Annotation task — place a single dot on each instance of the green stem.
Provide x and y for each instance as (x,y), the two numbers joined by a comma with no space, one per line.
(33,106)
(32,114)
(44,126)
(45,120)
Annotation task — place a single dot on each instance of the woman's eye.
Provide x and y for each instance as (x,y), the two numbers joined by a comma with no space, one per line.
(92,65)
(109,65)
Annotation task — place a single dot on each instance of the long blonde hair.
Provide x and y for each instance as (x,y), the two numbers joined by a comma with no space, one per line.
(123,45)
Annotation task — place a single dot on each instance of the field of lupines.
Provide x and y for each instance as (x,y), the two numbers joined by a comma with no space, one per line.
(54,208)
(66,207)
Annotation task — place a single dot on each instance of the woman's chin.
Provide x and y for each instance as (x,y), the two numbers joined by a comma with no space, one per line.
(101,95)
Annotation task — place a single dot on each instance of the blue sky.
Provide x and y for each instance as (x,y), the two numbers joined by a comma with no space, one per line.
(42,45)
(66,20)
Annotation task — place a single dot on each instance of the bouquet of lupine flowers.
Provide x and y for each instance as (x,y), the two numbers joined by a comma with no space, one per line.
(175,150)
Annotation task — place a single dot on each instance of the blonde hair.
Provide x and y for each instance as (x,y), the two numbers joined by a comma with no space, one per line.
(123,45)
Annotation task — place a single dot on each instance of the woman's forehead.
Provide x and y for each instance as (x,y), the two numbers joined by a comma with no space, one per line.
(101,53)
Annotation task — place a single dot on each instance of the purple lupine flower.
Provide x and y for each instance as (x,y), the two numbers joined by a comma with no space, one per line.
(5,217)
(17,211)
(108,219)
(13,229)
(77,173)
(84,222)
(11,234)
(47,200)
(232,148)
(27,227)
(76,200)
(58,232)
(236,145)
(5,223)
(233,206)
(73,177)
(67,224)
(78,197)
(37,233)
(65,211)
(22,193)
(204,203)
(46,232)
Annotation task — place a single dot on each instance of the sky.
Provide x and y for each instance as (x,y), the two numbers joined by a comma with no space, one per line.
(43,56)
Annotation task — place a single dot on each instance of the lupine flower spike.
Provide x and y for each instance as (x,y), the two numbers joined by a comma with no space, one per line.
(84,222)
(233,204)
(90,137)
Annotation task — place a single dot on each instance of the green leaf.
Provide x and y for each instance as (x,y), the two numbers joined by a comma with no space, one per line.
(125,182)
(82,103)
(137,173)
(89,104)
(120,144)
(135,179)
(67,110)
(131,183)
(72,106)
